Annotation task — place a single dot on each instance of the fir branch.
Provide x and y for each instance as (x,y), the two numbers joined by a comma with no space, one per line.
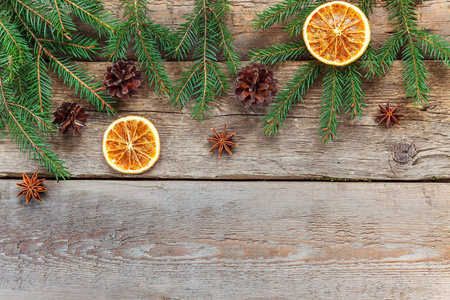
(415,74)
(367,6)
(43,28)
(28,116)
(27,137)
(187,33)
(79,46)
(149,56)
(146,37)
(354,95)
(61,19)
(295,26)
(118,43)
(85,84)
(389,51)
(404,18)
(40,85)
(332,99)
(289,96)
(13,42)
(206,29)
(280,53)
(279,13)
(436,46)
(161,34)
(92,13)
(369,62)
(229,51)
(36,14)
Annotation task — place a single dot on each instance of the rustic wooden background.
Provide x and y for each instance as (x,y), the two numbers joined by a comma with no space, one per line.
(252,225)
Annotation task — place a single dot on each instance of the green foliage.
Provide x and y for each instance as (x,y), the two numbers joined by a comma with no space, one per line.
(279,13)
(280,53)
(342,86)
(332,98)
(354,95)
(412,41)
(146,37)
(35,37)
(206,31)
(367,6)
(290,95)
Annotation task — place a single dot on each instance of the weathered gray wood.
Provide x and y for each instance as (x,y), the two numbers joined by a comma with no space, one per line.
(364,150)
(226,240)
(433,15)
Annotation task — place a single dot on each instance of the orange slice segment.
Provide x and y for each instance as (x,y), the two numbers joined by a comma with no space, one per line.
(131,145)
(336,33)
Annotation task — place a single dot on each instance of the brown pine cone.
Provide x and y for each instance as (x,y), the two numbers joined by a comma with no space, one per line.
(122,80)
(255,86)
(70,115)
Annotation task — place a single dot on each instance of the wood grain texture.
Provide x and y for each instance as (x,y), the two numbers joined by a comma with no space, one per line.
(364,150)
(226,240)
(433,15)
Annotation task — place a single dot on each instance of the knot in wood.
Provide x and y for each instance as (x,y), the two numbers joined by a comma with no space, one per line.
(403,152)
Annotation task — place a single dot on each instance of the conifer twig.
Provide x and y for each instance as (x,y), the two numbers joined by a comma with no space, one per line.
(205,28)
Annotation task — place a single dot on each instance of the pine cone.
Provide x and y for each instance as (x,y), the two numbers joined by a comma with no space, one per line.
(70,115)
(255,86)
(122,80)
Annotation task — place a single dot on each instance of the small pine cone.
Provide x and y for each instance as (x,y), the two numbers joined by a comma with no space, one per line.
(255,86)
(70,115)
(122,80)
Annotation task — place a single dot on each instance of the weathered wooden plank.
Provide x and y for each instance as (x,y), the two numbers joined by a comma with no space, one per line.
(364,150)
(433,15)
(226,240)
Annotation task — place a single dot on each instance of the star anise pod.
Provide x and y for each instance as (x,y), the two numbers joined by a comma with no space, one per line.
(222,141)
(31,187)
(388,115)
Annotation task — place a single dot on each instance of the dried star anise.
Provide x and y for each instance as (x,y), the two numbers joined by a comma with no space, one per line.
(388,115)
(222,141)
(31,187)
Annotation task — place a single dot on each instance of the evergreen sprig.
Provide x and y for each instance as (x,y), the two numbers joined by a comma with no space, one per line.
(36,37)
(146,36)
(205,30)
(412,41)
(341,86)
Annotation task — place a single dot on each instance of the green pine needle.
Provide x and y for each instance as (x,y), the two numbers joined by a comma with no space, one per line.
(279,13)
(147,38)
(280,53)
(332,100)
(205,31)
(414,41)
(289,96)
(354,95)
(34,37)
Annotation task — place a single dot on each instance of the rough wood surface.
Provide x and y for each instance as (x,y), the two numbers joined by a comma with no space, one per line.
(364,150)
(433,15)
(226,240)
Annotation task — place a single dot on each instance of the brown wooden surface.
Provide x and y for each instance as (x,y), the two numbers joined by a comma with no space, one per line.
(433,15)
(364,150)
(127,238)
(226,240)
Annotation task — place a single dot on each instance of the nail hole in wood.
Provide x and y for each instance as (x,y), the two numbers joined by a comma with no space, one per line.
(403,152)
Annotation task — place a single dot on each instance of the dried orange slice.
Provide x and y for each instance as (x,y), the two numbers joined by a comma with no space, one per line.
(336,33)
(131,145)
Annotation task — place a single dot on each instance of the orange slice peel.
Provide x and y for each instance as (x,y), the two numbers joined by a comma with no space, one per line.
(336,33)
(131,145)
